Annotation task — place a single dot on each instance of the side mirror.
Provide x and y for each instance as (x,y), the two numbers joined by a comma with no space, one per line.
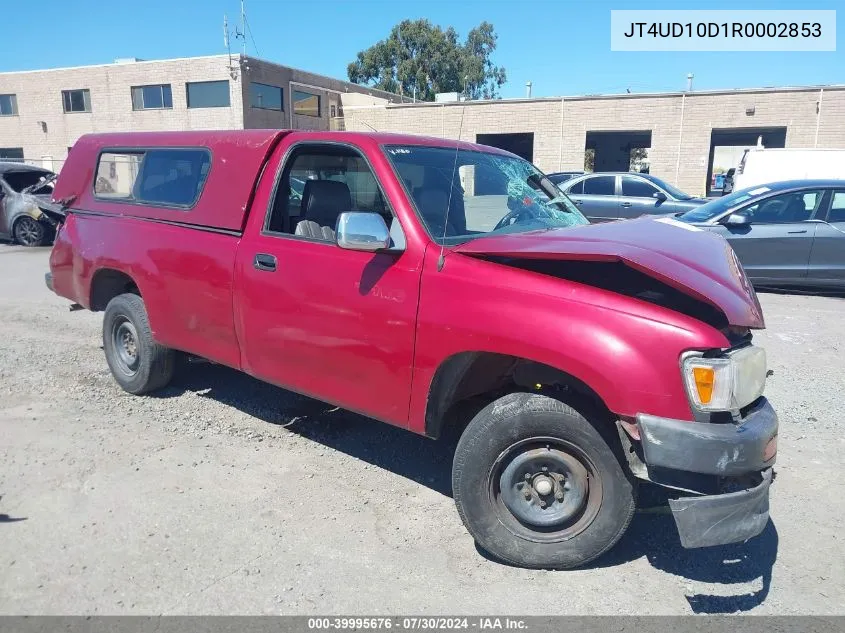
(358,231)
(659,196)
(738,219)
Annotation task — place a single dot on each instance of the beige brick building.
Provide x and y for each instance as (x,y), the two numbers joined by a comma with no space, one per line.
(43,112)
(681,130)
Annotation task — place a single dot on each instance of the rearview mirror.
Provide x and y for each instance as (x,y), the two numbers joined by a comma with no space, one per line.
(738,219)
(659,196)
(358,231)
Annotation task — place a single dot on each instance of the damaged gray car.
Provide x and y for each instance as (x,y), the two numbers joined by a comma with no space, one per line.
(25,193)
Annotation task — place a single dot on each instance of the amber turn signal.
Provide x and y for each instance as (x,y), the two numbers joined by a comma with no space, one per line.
(705,380)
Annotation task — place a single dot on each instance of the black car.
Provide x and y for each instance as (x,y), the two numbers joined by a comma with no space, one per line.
(786,234)
(616,196)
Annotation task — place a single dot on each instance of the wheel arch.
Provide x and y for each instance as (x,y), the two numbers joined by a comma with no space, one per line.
(487,375)
(106,284)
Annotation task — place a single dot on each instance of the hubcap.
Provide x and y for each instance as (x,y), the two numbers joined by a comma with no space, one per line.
(545,489)
(125,339)
(28,231)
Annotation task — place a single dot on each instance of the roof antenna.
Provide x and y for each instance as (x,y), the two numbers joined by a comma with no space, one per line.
(442,259)
(369,126)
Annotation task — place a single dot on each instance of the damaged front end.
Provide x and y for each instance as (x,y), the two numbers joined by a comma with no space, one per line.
(717,473)
(716,463)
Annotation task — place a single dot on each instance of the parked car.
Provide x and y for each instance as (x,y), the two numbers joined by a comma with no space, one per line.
(760,166)
(412,283)
(786,234)
(24,194)
(562,176)
(607,196)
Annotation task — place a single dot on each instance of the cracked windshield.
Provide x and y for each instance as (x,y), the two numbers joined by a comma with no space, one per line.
(483,193)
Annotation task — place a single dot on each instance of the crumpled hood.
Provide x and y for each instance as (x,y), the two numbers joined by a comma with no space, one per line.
(696,262)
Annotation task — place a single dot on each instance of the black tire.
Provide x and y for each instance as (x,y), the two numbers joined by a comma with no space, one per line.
(29,231)
(592,500)
(126,329)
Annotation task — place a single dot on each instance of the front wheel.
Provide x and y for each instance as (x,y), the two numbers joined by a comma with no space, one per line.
(137,362)
(537,484)
(29,231)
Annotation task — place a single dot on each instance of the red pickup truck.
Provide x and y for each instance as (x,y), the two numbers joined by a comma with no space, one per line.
(444,287)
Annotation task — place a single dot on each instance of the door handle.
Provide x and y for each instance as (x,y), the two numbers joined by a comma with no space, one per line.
(266,262)
(796,232)
(578,202)
(626,204)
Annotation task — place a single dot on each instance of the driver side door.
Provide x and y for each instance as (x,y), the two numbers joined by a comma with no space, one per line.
(640,197)
(331,323)
(776,246)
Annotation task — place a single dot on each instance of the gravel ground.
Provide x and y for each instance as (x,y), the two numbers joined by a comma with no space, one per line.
(226,495)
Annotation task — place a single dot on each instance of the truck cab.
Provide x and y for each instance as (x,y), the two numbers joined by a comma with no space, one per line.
(447,288)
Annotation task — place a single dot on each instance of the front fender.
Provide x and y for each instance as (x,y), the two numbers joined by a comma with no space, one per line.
(626,350)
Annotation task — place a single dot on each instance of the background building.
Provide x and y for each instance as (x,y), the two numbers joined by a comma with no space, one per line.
(681,131)
(43,112)
(677,135)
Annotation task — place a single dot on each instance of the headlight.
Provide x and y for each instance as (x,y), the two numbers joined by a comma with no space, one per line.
(727,382)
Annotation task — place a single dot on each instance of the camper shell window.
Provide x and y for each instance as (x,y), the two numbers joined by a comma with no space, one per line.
(162,177)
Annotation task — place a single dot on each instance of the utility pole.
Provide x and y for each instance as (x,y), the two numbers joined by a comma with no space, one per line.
(243,27)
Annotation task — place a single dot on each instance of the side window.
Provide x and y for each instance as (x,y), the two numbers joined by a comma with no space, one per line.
(317,184)
(600,186)
(165,177)
(785,208)
(637,187)
(577,188)
(837,207)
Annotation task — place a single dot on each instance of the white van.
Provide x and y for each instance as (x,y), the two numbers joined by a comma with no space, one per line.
(760,166)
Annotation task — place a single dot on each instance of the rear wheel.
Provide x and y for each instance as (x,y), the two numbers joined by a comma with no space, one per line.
(537,485)
(137,362)
(29,231)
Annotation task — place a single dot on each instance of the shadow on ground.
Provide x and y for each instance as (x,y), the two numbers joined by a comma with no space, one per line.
(651,535)
(5,518)
(830,293)
(655,537)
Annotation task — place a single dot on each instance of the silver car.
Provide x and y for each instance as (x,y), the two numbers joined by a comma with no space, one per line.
(605,196)
(25,193)
(786,234)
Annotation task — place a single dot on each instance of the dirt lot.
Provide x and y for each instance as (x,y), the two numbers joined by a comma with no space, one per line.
(225,495)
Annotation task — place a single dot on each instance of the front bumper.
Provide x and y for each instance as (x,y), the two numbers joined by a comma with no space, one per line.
(716,454)
(721,519)
(712,449)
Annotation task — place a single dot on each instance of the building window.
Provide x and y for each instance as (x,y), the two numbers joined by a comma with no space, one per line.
(157,97)
(8,105)
(76,100)
(208,94)
(160,177)
(265,96)
(11,153)
(306,104)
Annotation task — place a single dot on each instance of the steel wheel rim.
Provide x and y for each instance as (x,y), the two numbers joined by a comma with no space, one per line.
(125,342)
(28,231)
(545,489)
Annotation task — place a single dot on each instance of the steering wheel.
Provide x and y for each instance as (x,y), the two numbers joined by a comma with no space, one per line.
(513,217)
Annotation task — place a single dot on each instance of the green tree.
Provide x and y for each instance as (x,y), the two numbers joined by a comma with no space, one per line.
(420,57)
